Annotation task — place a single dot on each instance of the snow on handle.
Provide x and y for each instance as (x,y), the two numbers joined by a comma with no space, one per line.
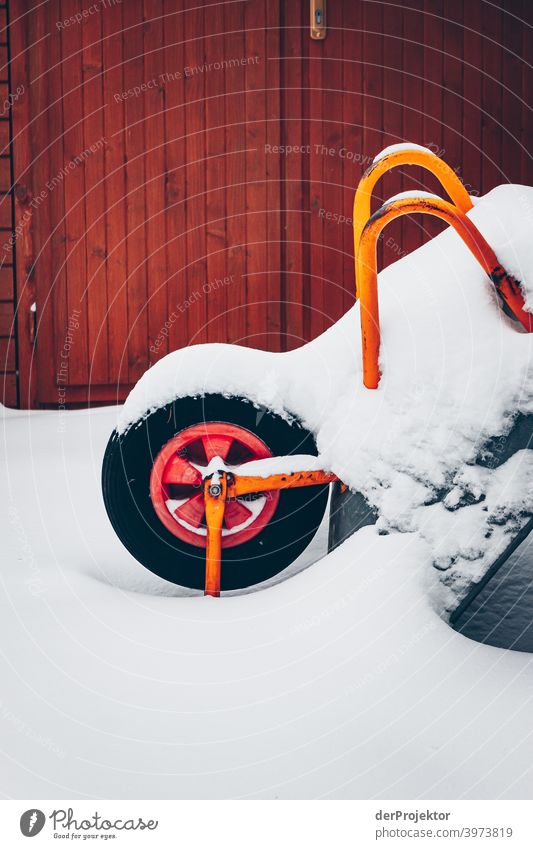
(412,193)
(395,148)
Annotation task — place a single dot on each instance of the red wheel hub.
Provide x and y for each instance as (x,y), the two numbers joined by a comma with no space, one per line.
(176,483)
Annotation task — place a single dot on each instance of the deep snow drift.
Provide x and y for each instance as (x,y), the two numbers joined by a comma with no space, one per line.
(340,682)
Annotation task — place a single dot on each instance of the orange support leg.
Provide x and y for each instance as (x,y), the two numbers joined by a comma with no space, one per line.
(215,492)
(224,485)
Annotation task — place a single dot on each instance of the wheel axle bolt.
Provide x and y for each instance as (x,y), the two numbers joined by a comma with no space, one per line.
(215,490)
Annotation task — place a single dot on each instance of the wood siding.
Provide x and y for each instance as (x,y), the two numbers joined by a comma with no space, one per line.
(8,360)
(184,172)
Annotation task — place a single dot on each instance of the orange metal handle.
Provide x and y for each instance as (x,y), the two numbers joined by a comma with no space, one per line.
(412,156)
(366,270)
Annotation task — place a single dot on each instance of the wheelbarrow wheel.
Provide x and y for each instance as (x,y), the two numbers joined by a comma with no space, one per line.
(151,481)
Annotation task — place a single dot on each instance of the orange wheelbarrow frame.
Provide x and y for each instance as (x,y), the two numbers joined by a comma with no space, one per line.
(224,485)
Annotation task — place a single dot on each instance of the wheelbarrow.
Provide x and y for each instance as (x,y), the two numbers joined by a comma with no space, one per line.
(209,493)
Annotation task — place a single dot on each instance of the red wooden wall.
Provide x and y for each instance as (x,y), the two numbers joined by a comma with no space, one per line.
(182,169)
(8,375)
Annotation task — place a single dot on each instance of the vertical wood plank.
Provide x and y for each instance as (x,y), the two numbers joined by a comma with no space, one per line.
(22,162)
(235,140)
(135,191)
(511,99)
(526,168)
(333,141)
(73,183)
(472,101)
(373,82)
(176,175)
(313,113)
(373,77)
(413,227)
(294,175)
(95,202)
(433,124)
(195,152)
(272,71)
(491,136)
(215,169)
(115,196)
(395,115)
(262,314)
(8,361)
(154,157)
(356,160)
(453,83)
(4,136)
(8,389)
(7,288)
(50,221)
(4,61)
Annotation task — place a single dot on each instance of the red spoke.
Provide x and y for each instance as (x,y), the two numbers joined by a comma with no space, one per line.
(216,446)
(192,511)
(236,513)
(180,471)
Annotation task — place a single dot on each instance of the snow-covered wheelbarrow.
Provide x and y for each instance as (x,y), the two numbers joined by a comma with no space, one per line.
(211,489)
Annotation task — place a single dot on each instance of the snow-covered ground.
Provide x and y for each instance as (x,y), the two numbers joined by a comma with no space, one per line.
(340,682)
(343,681)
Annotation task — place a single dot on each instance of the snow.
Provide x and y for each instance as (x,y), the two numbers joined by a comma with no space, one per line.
(455,371)
(396,148)
(341,682)
(415,193)
(282,465)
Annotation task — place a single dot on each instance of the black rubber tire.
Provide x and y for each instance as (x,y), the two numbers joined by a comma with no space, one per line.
(126,471)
